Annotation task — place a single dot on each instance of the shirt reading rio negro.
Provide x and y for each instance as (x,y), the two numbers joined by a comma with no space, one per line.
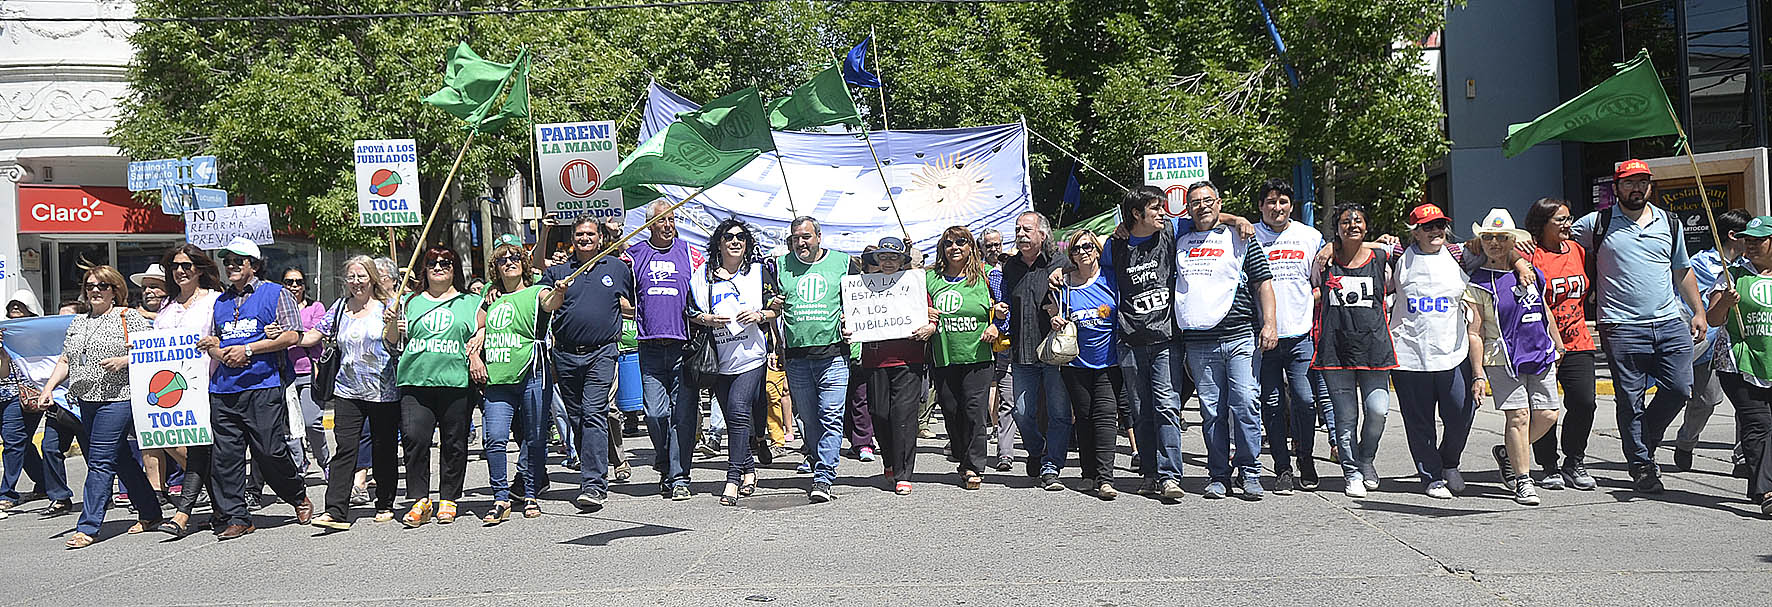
(437,333)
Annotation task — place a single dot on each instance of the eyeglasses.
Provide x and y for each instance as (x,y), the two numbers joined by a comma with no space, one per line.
(1640,184)
(99,286)
(1203,201)
(509,259)
(958,242)
(1494,237)
(294,282)
(184,265)
(440,263)
(357,279)
(733,235)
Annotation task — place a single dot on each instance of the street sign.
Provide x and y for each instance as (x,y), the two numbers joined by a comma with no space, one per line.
(202,170)
(175,199)
(208,198)
(147,175)
(157,174)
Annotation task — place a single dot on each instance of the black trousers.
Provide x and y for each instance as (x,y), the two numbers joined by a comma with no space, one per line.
(1753,418)
(895,398)
(1576,374)
(197,477)
(1095,416)
(964,393)
(259,420)
(348,415)
(448,412)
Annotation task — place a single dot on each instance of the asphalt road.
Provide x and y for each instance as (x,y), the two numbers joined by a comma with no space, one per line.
(1700,543)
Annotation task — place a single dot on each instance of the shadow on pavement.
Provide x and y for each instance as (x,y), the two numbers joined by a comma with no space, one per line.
(637,531)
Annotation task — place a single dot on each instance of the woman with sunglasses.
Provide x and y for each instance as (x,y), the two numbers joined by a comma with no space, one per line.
(436,377)
(1745,360)
(190,304)
(510,326)
(961,351)
(95,363)
(1428,329)
(1564,263)
(1354,351)
(365,399)
(305,416)
(1093,378)
(896,387)
(730,297)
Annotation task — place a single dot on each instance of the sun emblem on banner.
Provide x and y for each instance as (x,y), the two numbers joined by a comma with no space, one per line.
(947,190)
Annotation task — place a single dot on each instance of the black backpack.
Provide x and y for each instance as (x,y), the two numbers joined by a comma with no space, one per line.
(1602,229)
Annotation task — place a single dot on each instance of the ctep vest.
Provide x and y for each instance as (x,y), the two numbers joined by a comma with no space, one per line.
(1145,275)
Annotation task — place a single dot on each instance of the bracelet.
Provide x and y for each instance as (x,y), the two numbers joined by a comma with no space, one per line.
(1480,379)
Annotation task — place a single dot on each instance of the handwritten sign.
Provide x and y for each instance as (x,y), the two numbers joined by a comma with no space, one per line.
(169,388)
(878,307)
(212,229)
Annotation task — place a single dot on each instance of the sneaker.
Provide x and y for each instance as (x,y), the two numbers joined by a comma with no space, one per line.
(383,516)
(1454,480)
(1524,493)
(1005,463)
(571,463)
(1049,482)
(1647,480)
(253,502)
(1575,475)
(1307,475)
(805,467)
(866,455)
(1438,490)
(925,433)
(1032,466)
(589,501)
(359,496)
(1284,482)
(1506,467)
(706,448)
(1170,489)
(1682,459)
(1252,490)
(1551,480)
(1356,486)
(1369,476)
(680,493)
(820,493)
(1215,490)
(1146,487)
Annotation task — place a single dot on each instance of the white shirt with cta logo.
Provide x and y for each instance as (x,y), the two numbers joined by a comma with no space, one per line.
(1209,266)
(1289,255)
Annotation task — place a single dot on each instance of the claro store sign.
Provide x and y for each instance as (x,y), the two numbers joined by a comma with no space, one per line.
(89,210)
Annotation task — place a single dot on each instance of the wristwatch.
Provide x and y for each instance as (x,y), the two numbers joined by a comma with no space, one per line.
(249,350)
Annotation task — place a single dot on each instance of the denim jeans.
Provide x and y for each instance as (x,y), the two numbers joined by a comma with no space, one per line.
(1156,412)
(737,395)
(104,433)
(585,381)
(1288,402)
(44,468)
(1039,389)
(517,410)
(1224,373)
(1361,399)
(673,411)
(1638,353)
(819,387)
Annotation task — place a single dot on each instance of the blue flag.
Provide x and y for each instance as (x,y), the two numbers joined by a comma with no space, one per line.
(33,344)
(854,69)
(1073,191)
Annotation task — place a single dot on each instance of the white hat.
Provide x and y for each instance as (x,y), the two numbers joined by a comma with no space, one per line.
(244,247)
(154,271)
(1499,221)
(25,296)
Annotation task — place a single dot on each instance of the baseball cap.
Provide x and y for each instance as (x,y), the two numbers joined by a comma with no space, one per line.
(1426,213)
(507,239)
(1758,227)
(243,247)
(1631,167)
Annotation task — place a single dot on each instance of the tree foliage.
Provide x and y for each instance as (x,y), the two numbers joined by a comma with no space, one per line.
(1109,79)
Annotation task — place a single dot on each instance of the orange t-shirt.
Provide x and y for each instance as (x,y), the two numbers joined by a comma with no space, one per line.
(1567,274)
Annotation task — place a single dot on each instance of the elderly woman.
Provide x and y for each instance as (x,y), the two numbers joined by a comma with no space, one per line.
(895,380)
(730,297)
(18,422)
(1093,378)
(95,365)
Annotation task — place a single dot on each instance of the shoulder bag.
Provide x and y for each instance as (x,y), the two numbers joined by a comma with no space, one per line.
(326,367)
(1060,347)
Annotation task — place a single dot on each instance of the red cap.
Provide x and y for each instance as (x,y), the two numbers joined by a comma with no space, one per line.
(1631,167)
(1426,213)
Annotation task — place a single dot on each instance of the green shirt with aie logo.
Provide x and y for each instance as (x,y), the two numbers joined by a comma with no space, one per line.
(813,312)
(511,330)
(1750,328)
(964,314)
(437,332)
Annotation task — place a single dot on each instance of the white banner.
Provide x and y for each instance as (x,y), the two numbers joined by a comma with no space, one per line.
(387,183)
(575,158)
(878,307)
(169,388)
(1174,173)
(211,229)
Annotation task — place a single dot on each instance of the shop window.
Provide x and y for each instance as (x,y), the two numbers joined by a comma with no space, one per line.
(1722,113)
(1717,36)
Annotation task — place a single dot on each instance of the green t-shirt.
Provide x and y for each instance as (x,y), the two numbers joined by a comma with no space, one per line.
(814,309)
(437,333)
(965,314)
(1750,328)
(630,335)
(511,330)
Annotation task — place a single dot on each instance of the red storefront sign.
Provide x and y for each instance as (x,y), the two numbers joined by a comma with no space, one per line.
(89,210)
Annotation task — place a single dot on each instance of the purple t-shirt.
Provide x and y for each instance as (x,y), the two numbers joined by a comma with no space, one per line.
(303,358)
(661,284)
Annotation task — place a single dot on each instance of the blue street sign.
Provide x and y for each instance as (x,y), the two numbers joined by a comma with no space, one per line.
(157,174)
(175,199)
(209,198)
(202,170)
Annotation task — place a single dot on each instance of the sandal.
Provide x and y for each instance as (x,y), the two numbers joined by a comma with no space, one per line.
(173,527)
(141,526)
(532,509)
(729,499)
(326,521)
(902,488)
(501,512)
(418,515)
(749,487)
(974,481)
(79,540)
(622,473)
(445,512)
(58,508)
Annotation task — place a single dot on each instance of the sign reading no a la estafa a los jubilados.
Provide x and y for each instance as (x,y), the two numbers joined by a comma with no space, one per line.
(575,159)
(878,307)
(169,388)
(1173,173)
(387,182)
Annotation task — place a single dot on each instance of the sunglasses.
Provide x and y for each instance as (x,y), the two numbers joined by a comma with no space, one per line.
(735,235)
(509,259)
(958,242)
(1436,226)
(1085,247)
(234,262)
(1494,237)
(99,286)
(440,263)
(294,282)
(184,265)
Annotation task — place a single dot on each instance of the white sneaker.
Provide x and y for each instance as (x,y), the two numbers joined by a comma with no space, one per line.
(1356,487)
(1369,475)
(1438,490)
(1454,480)
(1524,492)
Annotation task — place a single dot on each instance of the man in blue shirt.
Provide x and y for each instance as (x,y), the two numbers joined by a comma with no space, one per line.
(586,331)
(1640,262)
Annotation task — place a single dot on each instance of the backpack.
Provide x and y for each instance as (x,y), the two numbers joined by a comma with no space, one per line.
(1602,229)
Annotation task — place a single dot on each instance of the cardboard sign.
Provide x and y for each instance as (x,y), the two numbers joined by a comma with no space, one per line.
(878,307)
(212,229)
(387,183)
(575,158)
(169,388)
(1174,173)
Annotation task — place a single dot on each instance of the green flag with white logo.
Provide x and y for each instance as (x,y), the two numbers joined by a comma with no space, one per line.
(701,148)
(1628,105)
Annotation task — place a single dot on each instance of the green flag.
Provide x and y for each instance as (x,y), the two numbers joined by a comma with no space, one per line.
(1628,105)
(701,148)
(822,101)
(1101,225)
(733,123)
(472,88)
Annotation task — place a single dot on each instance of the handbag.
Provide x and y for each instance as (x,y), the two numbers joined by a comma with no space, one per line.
(326,368)
(1060,347)
(701,362)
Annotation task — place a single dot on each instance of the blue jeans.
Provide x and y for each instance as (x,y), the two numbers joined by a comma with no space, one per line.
(45,469)
(585,379)
(519,407)
(1036,386)
(104,434)
(1639,353)
(1288,401)
(1156,412)
(1361,400)
(673,413)
(819,387)
(1225,374)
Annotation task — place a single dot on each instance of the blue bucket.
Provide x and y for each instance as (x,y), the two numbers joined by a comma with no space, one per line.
(629,396)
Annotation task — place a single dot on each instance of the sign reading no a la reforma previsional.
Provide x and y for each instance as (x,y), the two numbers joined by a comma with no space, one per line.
(1173,173)
(575,158)
(169,388)
(878,307)
(387,182)
(211,229)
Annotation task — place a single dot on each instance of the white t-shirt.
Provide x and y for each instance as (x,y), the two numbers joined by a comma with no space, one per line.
(1289,255)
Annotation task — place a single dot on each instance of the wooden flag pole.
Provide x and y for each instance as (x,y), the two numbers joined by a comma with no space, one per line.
(1703,200)
(874,49)
(411,266)
(613,246)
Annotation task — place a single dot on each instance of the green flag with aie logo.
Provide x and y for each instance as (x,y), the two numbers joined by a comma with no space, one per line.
(1628,105)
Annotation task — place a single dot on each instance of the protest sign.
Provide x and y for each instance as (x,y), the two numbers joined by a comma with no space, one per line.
(169,388)
(1173,173)
(575,158)
(387,182)
(212,229)
(878,307)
